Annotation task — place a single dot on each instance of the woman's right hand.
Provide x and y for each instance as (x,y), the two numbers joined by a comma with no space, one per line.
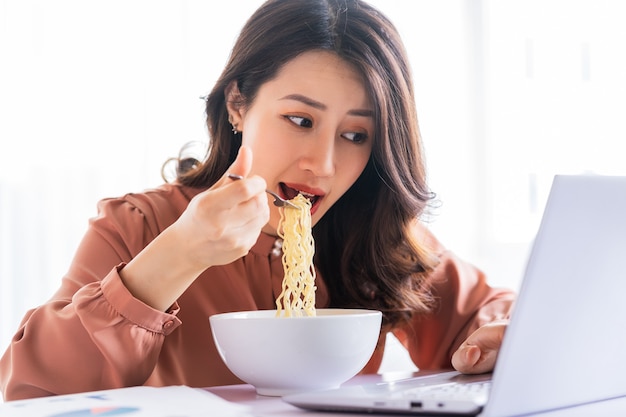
(222,223)
(218,226)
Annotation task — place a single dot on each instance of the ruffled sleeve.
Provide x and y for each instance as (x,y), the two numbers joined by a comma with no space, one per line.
(92,323)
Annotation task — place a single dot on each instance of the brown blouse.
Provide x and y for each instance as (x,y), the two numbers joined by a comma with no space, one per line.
(93,334)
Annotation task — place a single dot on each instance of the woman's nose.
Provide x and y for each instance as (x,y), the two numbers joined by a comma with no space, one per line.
(319,156)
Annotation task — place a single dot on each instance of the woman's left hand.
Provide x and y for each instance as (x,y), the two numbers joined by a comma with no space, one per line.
(479,351)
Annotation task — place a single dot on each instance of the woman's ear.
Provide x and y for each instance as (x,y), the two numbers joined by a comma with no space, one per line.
(234,105)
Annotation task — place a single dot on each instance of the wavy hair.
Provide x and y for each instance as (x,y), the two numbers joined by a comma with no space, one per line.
(364,246)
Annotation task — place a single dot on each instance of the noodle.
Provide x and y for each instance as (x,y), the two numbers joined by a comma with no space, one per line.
(298,289)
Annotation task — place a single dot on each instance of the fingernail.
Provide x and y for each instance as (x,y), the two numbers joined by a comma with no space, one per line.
(472,354)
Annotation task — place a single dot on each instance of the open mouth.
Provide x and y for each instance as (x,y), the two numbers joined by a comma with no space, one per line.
(290,193)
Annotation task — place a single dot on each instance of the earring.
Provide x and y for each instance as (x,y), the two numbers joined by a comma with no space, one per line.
(235,131)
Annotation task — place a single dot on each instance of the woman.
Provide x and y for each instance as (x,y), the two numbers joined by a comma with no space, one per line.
(316,99)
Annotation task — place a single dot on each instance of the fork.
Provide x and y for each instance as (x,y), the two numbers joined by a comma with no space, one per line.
(278,200)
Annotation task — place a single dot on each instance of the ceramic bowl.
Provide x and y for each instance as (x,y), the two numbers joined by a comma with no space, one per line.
(284,355)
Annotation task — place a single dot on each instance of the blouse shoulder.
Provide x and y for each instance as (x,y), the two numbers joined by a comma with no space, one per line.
(157,207)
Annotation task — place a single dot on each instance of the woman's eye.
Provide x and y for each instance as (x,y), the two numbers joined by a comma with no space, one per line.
(355,137)
(300,121)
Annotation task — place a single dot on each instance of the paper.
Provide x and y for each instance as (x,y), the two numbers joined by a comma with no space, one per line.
(173,401)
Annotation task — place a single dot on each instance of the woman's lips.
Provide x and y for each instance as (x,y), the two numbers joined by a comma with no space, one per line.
(314,195)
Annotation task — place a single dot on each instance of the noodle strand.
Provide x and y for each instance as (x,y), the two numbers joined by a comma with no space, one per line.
(298,286)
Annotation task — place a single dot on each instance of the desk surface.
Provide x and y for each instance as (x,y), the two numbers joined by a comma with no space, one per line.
(262,406)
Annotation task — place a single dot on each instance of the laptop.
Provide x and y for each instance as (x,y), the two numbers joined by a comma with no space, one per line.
(566,341)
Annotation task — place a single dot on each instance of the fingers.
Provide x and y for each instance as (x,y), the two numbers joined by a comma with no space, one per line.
(239,169)
(470,359)
(231,195)
(234,205)
(222,223)
(236,195)
(479,352)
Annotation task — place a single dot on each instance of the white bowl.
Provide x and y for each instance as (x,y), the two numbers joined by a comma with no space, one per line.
(284,355)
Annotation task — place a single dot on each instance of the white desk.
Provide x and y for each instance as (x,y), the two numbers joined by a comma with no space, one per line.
(273,406)
(182,400)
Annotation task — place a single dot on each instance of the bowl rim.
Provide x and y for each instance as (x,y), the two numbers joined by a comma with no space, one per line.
(326,314)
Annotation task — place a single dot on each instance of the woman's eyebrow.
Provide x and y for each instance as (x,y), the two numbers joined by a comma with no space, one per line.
(321,106)
(305,100)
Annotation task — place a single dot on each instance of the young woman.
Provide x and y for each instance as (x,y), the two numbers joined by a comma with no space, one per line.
(316,98)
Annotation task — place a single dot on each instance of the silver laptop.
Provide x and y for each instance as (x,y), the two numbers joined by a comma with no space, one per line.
(566,342)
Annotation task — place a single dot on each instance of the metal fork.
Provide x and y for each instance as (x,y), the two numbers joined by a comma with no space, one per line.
(278,200)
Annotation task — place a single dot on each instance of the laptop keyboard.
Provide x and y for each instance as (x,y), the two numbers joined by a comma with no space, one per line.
(457,391)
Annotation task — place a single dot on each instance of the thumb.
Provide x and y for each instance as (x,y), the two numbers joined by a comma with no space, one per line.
(467,359)
(242,164)
(479,352)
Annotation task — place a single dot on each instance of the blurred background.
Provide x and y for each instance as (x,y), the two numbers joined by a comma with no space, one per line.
(96,95)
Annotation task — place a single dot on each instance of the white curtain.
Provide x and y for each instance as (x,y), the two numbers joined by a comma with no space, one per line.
(95,95)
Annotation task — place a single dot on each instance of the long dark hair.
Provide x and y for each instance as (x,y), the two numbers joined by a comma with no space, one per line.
(364,245)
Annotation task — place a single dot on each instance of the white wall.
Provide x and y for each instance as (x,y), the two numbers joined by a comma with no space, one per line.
(95,95)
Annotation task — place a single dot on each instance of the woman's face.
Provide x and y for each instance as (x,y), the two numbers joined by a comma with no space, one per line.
(310,130)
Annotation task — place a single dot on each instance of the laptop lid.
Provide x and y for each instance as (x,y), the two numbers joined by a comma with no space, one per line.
(563,345)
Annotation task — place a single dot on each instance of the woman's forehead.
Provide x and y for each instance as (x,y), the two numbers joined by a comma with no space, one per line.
(323,73)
